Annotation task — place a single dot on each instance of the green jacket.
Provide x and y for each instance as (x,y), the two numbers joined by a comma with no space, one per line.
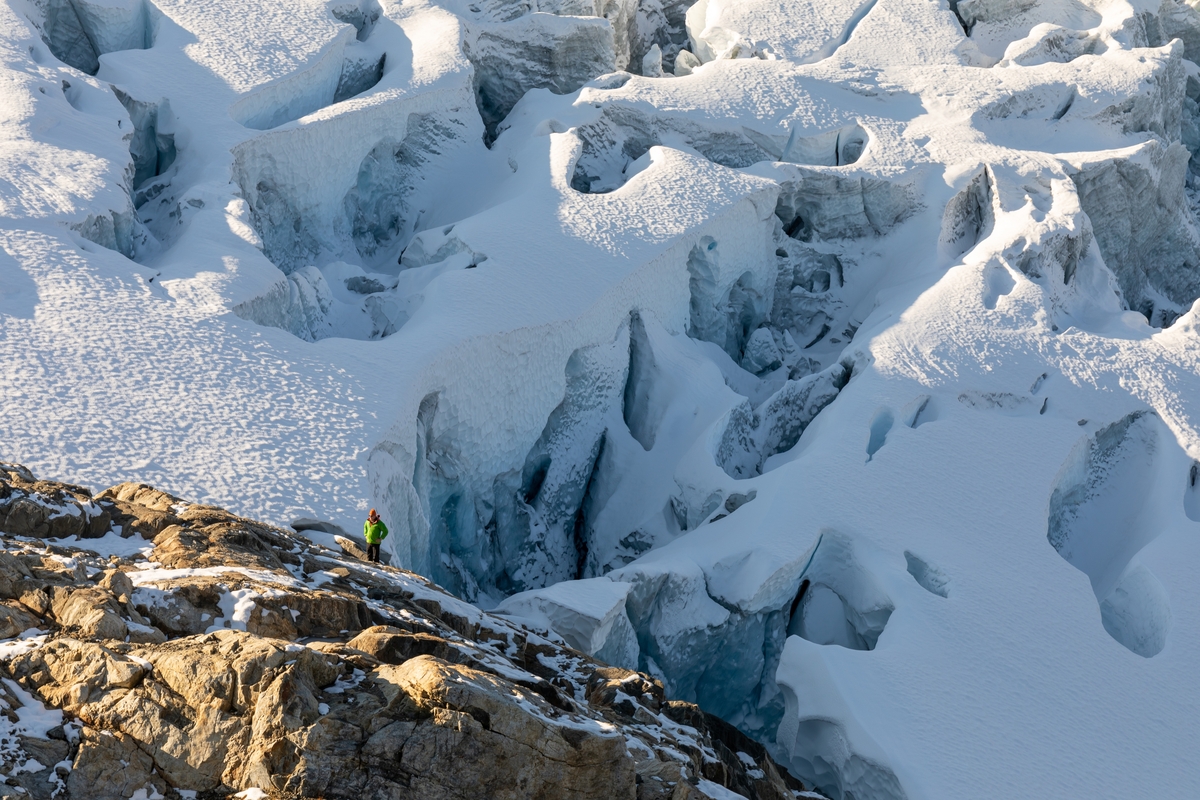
(375,532)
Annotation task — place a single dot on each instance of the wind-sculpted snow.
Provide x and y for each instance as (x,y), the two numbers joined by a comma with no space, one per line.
(839,602)
(836,363)
(716,25)
(1102,513)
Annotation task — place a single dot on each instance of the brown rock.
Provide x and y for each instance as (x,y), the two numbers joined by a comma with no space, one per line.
(289,615)
(92,613)
(13,573)
(184,608)
(45,509)
(444,703)
(225,669)
(734,749)
(218,545)
(287,705)
(23,517)
(110,766)
(343,652)
(623,690)
(68,673)
(46,751)
(144,521)
(188,746)
(141,494)
(118,583)
(483,737)
(16,472)
(15,619)
(36,600)
(47,568)
(393,646)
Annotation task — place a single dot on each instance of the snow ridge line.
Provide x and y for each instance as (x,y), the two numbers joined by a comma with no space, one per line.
(831,48)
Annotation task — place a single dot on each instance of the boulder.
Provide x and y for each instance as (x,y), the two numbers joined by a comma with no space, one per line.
(145,522)
(92,613)
(13,573)
(182,608)
(393,646)
(117,582)
(15,619)
(288,615)
(36,600)
(48,510)
(141,494)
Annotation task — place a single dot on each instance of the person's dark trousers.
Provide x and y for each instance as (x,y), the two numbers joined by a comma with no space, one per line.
(373,553)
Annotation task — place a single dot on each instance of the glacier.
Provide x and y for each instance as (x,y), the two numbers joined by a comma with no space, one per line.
(836,362)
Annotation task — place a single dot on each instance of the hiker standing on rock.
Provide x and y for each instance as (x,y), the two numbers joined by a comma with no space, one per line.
(374,531)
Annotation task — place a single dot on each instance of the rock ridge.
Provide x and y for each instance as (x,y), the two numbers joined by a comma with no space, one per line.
(155,648)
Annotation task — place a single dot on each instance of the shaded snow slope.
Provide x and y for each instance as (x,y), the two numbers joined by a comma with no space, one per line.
(855,344)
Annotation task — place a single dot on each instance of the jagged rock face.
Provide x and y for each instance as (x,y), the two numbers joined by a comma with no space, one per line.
(232,655)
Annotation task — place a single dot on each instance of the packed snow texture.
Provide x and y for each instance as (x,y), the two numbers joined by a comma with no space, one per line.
(837,362)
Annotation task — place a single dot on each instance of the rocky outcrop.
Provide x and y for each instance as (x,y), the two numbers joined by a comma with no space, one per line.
(42,509)
(226,654)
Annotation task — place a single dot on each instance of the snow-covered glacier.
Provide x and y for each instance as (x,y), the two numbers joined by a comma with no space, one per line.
(837,362)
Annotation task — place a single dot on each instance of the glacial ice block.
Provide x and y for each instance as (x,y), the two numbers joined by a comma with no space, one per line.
(589,615)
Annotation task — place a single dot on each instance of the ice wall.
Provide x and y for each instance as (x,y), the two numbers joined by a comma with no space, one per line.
(1148,236)
(78,32)
(364,202)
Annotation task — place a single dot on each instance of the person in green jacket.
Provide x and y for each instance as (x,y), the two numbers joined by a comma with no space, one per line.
(374,531)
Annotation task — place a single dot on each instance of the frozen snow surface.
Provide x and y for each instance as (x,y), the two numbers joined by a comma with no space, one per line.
(836,361)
